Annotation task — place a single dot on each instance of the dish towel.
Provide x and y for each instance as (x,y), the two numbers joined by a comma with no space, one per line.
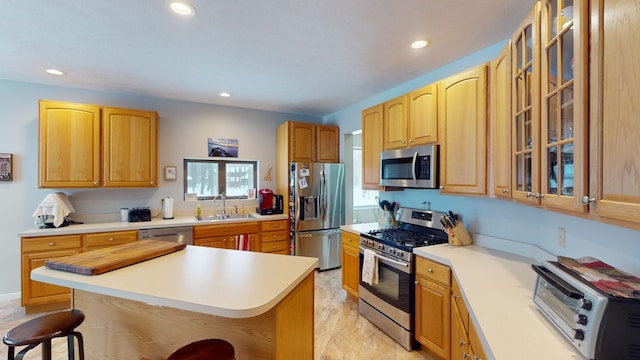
(56,205)
(242,242)
(370,267)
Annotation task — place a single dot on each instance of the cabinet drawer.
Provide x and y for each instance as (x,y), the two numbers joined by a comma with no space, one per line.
(274,225)
(275,246)
(274,236)
(350,240)
(110,238)
(433,271)
(46,243)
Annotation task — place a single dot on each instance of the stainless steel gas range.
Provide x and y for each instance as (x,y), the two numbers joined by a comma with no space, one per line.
(390,303)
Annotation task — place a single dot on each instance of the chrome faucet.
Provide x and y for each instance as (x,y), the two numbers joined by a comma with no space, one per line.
(221,195)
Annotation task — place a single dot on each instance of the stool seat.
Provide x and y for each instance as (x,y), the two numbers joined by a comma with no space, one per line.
(44,328)
(208,349)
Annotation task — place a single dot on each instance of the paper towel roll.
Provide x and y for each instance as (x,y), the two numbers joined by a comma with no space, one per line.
(168,208)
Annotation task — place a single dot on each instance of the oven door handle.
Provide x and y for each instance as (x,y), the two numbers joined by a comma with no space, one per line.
(399,263)
(557,282)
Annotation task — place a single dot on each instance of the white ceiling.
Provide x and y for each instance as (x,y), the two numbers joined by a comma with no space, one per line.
(309,57)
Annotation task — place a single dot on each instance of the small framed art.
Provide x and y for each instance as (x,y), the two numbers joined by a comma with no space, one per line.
(170,173)
(6,167)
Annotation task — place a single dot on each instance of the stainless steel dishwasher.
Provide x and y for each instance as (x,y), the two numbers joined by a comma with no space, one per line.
(182,234)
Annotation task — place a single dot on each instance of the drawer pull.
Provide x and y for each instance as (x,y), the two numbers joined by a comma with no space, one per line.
(275,247)
(430,270)
(110,239)
(51,243)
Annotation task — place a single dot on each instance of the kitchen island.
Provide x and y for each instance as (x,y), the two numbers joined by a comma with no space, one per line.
(260,303)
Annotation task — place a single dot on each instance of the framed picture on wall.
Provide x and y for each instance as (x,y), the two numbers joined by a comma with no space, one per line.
(5,167)
(170,173)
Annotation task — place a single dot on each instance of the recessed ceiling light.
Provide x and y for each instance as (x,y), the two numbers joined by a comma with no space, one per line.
(182,8)
(225,94)
(54,72)
(420,44)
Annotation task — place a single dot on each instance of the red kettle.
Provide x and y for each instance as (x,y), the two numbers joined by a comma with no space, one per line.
(265,199)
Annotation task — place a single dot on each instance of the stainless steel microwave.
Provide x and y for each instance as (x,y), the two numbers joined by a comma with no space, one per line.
(414,167)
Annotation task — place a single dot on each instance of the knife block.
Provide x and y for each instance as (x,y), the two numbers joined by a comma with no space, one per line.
(458,236)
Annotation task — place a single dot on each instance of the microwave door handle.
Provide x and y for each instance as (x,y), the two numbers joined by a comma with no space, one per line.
(558,283)
(413,167)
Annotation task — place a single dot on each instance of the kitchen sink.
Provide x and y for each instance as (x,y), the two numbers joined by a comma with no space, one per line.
(224,217)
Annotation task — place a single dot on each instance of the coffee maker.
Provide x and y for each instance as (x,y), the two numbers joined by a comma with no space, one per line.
(269,203)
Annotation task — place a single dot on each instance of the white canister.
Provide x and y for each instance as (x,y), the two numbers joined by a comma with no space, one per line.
(124,214)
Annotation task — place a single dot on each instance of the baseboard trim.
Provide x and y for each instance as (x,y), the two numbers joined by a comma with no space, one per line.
(10,296)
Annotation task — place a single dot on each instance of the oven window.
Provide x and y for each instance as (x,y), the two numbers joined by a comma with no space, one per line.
(564,306)
(394,286)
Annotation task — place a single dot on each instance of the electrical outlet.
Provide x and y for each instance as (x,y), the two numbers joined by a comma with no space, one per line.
(562,237)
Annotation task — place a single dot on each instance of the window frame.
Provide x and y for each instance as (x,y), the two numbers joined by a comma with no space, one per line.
(222,175)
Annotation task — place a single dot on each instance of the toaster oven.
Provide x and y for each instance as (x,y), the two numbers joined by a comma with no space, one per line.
(600,326)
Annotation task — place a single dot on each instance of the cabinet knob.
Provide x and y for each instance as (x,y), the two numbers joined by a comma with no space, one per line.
(461,343)
(151,183)
(529,194)
(275,237)
(95,183)
(274,247)
(410,141)
(51,243)
(504,191)
(110,239)
(430,270)
(539,196)
(587,200)
(441,187)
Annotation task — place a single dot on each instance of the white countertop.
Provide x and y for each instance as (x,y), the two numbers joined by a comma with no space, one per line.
(228,283)
(498,288)
(153,224)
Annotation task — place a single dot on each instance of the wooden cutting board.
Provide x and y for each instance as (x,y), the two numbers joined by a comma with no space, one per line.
(115,257)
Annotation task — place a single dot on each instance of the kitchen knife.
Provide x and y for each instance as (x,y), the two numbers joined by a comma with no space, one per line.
(443,222)
(449,222)
(453,217)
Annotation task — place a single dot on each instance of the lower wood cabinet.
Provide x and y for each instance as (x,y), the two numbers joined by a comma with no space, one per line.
(274,237)
(350,263)
(38,296)
(224,235)
(443,325)
(107,239)
(433,306)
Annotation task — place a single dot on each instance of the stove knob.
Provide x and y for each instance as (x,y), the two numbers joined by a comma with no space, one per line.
(581,319)
(399,253)
(586,304)
(392,251)
(380,246)
(578,335)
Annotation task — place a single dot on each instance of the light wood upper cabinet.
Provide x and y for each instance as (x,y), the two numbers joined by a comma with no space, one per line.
(563,103)
(327,144)
(500,113)
(525,108)
(88,146)
(372,139)
(302,141)
(395,123)
(614,169)
(463,146)
(129,141)
(423,115)
(68,145)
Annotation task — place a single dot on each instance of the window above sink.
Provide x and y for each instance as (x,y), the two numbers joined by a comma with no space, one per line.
(211,178)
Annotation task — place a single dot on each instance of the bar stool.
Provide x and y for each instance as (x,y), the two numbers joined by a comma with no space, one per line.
(208,349)
(44,328)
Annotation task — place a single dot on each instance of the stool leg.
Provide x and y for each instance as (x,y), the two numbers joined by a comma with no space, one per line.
(24,351)
(46,349)
(70,347)
(80,344)
(11,353)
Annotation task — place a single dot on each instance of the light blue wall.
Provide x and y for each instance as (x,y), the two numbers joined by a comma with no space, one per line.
(615,245)
(182,132)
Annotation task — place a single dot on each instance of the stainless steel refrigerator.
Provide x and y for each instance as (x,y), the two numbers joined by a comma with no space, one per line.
(316,210)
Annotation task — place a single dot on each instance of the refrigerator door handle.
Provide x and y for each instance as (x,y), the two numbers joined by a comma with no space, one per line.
(323,196)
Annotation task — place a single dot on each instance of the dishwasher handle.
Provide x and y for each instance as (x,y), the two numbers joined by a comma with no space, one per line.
(178,235)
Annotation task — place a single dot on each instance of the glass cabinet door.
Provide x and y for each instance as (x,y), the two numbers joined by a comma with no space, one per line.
(525,117)
(562,128)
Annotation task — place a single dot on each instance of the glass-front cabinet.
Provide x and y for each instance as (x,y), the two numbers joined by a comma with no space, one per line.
(562,102)
(525,74)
